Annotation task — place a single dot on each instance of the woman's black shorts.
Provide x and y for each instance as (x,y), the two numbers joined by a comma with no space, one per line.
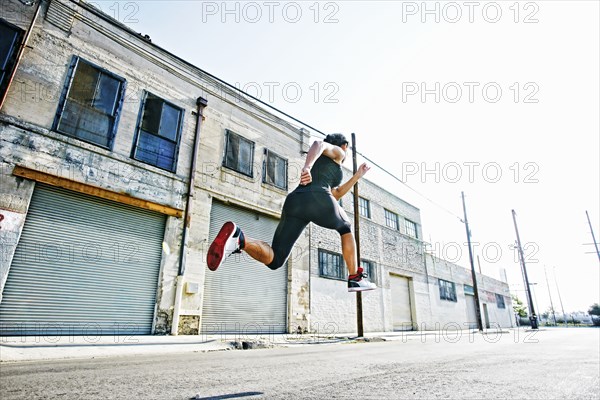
(300,208)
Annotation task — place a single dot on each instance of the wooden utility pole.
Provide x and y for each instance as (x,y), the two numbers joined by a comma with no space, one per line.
(550,296)
(359,310)
(560,298)
(473,273)
(592,232)
(532,316)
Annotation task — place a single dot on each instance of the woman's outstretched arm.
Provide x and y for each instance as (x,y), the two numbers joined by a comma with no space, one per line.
(344,188)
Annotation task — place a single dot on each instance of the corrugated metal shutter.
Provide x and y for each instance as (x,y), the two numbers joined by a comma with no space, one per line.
(402,315)
(244,295)
(83,265)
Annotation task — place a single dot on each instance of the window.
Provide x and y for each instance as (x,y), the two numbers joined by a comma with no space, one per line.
(370,269)
(411,228)
(239,153)
(447,290)
(158,131)
(364,208)
(275,170)
(10,39)
(331,265)
(90,104)
(469,290)
(500,301)
(391,220)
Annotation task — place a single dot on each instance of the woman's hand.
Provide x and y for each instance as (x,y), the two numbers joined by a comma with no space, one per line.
(305,176)
(362,170)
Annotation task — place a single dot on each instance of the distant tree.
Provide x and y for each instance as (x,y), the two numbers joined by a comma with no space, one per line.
(519,307)
(594,312)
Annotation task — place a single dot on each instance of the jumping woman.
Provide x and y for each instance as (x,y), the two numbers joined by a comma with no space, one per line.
(314,200)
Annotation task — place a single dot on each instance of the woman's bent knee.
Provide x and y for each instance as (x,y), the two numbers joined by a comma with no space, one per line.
(276,263)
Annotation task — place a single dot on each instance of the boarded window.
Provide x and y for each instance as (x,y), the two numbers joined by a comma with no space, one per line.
(239,154)
(331,265)
(275,170)
(158,133)
(10,38)
(447,290)
(89,109)
(500,301)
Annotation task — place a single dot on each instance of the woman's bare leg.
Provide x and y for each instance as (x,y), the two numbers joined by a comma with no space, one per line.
(259,250)
(349,252)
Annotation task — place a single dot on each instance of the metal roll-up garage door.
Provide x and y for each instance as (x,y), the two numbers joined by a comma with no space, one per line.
(401,310)
(471,312)
(243,295)
(83,266)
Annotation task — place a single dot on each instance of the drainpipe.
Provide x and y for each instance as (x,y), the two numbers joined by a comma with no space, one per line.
(21,51)
(201,103)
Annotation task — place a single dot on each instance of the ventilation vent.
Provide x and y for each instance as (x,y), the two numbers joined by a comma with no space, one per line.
(60,15)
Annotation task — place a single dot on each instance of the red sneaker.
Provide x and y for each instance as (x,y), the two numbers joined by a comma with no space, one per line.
(229,240)
(359,282)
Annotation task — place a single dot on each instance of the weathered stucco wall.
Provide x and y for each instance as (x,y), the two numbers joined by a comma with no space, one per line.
(27,140)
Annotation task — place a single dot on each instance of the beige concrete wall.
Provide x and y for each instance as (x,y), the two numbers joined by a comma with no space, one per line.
(28,140)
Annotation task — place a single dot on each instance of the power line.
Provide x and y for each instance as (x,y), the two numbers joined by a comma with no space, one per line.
(312,128)
(414,190)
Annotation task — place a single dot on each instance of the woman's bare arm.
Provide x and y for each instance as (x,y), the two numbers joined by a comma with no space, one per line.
(316,149)
(340,191)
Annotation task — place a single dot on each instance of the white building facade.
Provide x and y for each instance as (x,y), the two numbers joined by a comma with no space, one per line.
(119,163)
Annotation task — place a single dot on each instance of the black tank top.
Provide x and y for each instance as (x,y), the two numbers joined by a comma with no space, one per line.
(326,174)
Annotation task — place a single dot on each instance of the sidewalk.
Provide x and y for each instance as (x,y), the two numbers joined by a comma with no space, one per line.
(36,348)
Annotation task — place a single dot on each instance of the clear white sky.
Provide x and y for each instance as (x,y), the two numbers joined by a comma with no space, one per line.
(515,124)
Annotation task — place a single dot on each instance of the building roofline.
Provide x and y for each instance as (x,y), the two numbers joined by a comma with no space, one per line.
(146,39)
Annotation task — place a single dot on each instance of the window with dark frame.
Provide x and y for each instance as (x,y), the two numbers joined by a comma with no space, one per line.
(364,208)
(500,301)
(331,265)
(370,269)
(10,39)
(469,290)
(391,220)
(239,153)
(90,104)
(275,170)
(447,290)
(158,133)
(411,228)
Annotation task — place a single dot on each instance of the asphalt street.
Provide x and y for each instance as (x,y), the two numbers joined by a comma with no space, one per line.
(549,364)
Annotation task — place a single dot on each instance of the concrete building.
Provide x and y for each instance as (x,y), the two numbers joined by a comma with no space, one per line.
(417,290)
(119,163)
